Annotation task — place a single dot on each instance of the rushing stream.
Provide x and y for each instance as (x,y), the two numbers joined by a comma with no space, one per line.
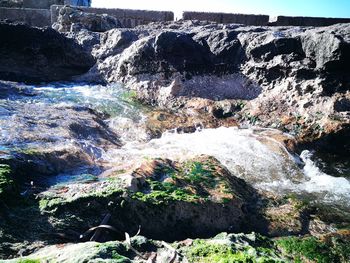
(45,116)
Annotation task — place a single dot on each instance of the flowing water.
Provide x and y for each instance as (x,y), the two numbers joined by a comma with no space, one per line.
(57,115)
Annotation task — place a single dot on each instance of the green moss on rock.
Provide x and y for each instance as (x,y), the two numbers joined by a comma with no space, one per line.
(161,193)
(196,180)
(331,248)
(49,202)
(28,261)
(5,180)
(222,250)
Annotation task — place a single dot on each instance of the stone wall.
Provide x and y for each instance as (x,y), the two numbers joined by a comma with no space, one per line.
(32,17)
(11,3)
(226,18)
(37,13)
(306,21)
(41,4)
(127,17)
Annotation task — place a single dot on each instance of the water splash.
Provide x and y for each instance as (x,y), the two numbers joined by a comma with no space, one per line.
(248,154)
(241,150)
(329,187)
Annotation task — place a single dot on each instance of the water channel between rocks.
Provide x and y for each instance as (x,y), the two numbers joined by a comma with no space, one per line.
(106,124)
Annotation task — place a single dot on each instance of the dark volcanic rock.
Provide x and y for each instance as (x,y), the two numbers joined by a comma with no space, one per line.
(114,42)
(224,45)
(34,55)
(167,52)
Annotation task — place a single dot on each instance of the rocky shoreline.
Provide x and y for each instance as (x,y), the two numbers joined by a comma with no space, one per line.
(290,85)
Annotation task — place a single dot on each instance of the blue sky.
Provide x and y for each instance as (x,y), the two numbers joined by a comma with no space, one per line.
(324,8)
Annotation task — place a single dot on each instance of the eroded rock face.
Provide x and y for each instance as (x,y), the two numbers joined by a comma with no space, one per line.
(34,55)
(295,79)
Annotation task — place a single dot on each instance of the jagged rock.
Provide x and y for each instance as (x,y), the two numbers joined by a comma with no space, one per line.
(328,47)
(280,71)
(72,19)
(87,39)
(33,55)
(114,42)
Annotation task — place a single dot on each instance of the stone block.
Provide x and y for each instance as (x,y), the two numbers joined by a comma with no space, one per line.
(307,21)
(228,18)
(128,17)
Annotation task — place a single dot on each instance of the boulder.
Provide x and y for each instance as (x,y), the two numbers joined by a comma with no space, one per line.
(166,53)
(39,55)
(197,197)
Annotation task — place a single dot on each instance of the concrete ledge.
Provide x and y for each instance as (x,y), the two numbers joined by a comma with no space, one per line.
(307,21)
(227,18)
(128,17)
(32,17)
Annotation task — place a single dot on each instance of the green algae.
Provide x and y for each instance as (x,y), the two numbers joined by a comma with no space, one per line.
(207,252)
(192,181)
(196,173)
(5,180)
(129,95)
(115,250)
(314,250)
(162,193)
(28,261)
(49,203)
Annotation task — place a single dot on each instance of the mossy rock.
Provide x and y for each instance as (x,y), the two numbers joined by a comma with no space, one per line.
(334,247)
(198,197)
(227,248)
(200,179)
(49,202)
(6,181)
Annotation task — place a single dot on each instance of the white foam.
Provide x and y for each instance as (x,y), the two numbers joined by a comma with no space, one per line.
(250,155)
(332,187)
(238,149)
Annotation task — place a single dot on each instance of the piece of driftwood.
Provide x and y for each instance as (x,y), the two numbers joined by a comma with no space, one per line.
(128,243)
(173,250)
(99,232)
